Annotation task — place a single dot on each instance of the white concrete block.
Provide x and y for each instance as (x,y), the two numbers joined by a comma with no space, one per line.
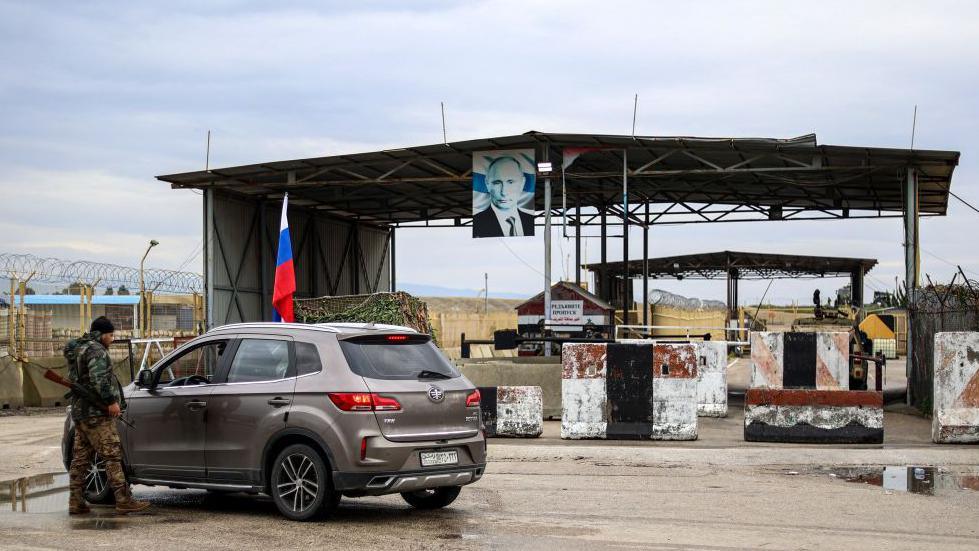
(955,418)
(519,411)
(712,379)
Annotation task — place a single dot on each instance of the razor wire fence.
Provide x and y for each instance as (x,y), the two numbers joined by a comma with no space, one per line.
(68,272)
(933,309)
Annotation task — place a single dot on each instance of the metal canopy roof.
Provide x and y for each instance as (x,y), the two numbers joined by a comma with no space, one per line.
(748,266)
(688,179)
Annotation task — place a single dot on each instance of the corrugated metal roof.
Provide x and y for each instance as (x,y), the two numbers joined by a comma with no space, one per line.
(48,300)
(751,178)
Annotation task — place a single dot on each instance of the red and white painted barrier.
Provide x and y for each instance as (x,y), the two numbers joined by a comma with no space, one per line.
(819,360)
(675,392)
(814,416)
(766,359)
(800,392)
(833,360)
(955,419)
(583,394)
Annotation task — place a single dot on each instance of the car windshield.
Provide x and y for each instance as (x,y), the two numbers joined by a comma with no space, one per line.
(397,360)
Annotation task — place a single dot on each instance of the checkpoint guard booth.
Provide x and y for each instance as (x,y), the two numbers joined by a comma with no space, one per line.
(575,313)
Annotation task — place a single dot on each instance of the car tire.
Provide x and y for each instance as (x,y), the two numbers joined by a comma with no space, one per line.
(300,484)
(435,498)
(97,488)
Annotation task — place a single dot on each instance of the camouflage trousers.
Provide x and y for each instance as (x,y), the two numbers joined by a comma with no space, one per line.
(97,435)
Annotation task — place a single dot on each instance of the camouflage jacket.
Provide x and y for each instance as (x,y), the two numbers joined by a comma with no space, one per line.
(89,365)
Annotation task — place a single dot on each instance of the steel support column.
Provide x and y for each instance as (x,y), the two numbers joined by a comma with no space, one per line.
(263,256)
(393,261)
(626,292)
(208,258)
(645,268)
(577,243)
(355,258)
(910,258)
(547,252)
(732,294)
(603,284)
(856,291)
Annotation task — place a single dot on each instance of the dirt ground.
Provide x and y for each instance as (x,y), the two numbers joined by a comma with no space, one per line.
(716,493)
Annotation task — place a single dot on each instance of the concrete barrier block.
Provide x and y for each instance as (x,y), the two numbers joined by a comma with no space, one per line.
(712,379)
(519,372)
(512,411)
(955,419)
(629,391)
(766,359)
(814,416)
(584,400)
(674,392)
(11,384)
(833,361)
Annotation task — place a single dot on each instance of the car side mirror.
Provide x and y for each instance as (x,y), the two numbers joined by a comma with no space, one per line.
(144,379)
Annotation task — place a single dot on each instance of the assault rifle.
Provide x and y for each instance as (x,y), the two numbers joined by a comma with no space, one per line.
(83,393)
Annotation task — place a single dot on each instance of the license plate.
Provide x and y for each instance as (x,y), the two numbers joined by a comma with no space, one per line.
(430,459)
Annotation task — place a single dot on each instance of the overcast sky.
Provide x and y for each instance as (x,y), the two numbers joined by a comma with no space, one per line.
(96,98)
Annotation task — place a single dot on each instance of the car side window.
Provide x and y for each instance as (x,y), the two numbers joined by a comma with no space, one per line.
(307,359)
(201,361)
(260,360)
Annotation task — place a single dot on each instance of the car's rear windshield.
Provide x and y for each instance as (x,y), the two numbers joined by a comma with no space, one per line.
(411,358)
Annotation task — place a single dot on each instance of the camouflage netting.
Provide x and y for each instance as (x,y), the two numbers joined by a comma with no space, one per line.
(398,308)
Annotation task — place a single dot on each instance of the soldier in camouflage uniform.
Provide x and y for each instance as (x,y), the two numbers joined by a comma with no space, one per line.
(95,428)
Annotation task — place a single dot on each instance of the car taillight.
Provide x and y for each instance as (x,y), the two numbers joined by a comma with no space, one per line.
(397,338)
(472,401)
(385,403)
(363,448)
(363,401)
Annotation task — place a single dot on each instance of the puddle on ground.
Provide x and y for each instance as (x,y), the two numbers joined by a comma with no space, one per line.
(924,480)
(43,493)
(47,494)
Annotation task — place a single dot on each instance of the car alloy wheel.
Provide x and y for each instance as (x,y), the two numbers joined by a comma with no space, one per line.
(96,480)
(298,483)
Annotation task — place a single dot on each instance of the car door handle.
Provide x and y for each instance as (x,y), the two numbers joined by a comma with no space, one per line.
(196,404)
(279,402)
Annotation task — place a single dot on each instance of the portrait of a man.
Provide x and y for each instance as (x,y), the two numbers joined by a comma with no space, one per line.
(503,193)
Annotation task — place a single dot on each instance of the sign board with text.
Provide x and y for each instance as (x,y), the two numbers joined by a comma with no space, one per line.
(567,312)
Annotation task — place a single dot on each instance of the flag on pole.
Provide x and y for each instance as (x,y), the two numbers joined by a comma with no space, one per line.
(285,274)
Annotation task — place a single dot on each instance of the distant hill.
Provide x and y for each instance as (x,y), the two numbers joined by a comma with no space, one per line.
(421,290)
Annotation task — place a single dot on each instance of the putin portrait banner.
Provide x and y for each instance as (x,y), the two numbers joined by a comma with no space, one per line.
(503,193)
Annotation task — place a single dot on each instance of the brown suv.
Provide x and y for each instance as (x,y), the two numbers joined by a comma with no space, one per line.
(305,414)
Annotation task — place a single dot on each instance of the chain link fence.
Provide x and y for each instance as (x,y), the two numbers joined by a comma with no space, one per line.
(933,309)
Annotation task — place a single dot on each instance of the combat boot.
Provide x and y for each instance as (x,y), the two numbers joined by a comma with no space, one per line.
(125,503)
(77,505)
(78,509)
(131,506)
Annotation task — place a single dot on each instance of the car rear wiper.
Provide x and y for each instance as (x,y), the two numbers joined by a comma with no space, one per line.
(427,374)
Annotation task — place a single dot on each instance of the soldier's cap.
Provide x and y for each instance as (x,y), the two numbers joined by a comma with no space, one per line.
(103,325)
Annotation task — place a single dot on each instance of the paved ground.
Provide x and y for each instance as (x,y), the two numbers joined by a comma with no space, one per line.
(716,493)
